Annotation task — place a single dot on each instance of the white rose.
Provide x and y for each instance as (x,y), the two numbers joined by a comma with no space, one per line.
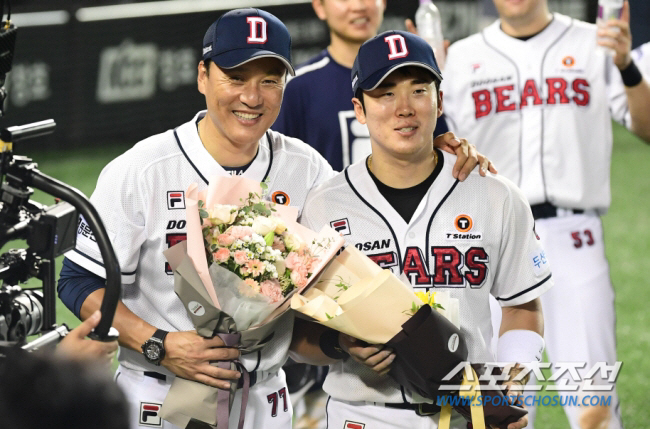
(263,225)
(280,226)
(223,214)
(280,266)
(292,242)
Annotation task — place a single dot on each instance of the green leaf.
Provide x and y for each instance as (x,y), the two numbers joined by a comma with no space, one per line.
(329,317)
(201,204)
(203,213)
(268,238)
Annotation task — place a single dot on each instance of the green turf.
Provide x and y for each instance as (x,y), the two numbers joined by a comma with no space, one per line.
(627,235)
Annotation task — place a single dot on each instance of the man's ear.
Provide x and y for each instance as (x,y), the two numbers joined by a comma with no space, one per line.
(319,9)
(358,110)
(202,77)
(440,97)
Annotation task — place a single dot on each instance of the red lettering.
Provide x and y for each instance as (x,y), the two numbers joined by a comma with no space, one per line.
(530,90)
(557,86)
(384,260)
(414,265)
(476,259)
(503,97)
(482,103)
(582,95)
(447,262)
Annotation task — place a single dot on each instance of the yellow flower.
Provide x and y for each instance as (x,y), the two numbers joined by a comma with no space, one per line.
(427,297)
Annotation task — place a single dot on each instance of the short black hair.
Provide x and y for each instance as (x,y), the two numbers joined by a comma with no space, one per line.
(206,63)
(38,391)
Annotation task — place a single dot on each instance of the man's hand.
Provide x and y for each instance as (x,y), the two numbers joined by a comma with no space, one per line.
(467,156)
(616,35)
(514,393)
(76,346)
(188,355)
(375,357)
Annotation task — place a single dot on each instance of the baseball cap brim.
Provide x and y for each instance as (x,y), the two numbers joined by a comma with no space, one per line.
(237,57)
(373,81)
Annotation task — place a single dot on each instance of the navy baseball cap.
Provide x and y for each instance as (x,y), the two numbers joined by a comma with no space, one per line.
(390,50)
(242,35)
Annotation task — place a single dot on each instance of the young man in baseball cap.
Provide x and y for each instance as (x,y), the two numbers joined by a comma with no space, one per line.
(404,195)
(140,197)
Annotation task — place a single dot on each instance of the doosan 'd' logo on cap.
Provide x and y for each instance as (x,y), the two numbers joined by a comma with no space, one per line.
(396,46)
(257,26)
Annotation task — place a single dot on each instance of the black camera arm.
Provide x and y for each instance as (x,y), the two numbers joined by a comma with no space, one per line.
(26,174)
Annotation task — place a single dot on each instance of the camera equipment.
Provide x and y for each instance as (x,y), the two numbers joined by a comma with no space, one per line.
(49,232)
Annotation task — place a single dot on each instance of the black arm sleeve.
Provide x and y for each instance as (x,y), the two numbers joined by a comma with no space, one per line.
(75,284)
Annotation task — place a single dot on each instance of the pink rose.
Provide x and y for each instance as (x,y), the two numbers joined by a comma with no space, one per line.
(240,257)
(299,277)
(272,290)
(222,255)
(278,244)
(240,231)
(294,260)
(225,239)
(311,264)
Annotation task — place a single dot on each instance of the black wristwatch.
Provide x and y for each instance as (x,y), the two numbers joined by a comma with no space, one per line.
(154,348)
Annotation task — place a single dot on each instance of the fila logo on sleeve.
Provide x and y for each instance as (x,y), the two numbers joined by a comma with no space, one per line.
(175,200)
(257,25)
(353,425)
(149,415)
(396,52)
(341,226)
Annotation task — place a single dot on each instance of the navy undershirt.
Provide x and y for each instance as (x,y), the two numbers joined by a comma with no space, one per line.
(405,201)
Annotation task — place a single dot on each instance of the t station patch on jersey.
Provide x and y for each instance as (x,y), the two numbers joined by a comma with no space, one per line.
(463,224)
(342,226)
(353,425)
(175,200)
(280,197)
(149,414)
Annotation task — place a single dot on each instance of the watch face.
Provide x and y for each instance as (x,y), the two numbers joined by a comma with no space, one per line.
(152,352)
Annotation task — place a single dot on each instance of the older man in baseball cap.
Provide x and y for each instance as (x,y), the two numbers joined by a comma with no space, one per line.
(464,238)
(140,197)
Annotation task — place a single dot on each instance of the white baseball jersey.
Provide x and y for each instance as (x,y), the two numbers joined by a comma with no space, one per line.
(471,238)
(140,198)
(540,109)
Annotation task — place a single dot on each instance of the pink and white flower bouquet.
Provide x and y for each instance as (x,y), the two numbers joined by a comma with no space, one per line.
(255,260)
(243,260)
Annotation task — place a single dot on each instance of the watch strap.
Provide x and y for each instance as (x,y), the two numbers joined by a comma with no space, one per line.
(160,334)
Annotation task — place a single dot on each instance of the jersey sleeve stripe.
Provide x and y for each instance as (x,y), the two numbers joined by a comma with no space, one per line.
(188,158)
(101,264)
(526,290)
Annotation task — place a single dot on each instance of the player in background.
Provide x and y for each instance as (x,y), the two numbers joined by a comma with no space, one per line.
(536,92)
(317,106)
(404,195)
(641,56)
(140,198)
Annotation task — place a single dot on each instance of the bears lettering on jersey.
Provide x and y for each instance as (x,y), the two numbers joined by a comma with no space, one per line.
(450,267)
(560,92)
